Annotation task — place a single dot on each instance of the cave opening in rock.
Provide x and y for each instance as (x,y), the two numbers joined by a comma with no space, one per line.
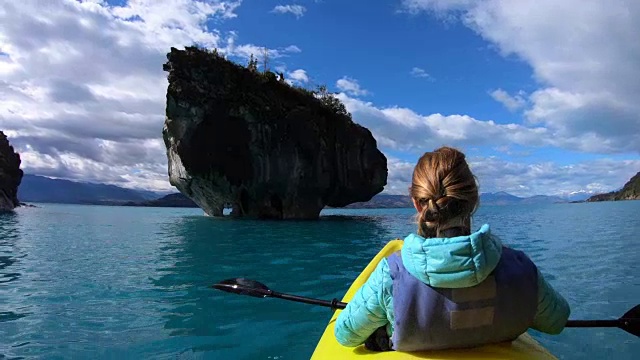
(227,209)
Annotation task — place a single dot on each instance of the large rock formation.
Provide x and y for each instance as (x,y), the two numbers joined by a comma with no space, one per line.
(10,175)
(630,191)
(235,136)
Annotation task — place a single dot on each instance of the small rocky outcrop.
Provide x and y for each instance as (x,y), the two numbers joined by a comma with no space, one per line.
(630,191)
(10,175)
(236,136)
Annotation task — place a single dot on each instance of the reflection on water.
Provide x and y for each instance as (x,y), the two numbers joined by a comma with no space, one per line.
(10,269)
(9,252)
(196,252)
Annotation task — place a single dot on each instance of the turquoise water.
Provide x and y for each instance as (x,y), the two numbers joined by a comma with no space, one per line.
(121,282)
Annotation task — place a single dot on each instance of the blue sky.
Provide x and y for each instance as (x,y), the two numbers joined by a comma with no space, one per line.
(374,43)
(540,103)
(378,46)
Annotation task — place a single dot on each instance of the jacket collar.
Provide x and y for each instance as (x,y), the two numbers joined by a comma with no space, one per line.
(455,262)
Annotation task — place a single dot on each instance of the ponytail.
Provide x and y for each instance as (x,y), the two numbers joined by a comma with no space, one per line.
(445,188)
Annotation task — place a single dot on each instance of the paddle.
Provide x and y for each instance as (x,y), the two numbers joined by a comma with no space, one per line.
(254,288)
(629,322)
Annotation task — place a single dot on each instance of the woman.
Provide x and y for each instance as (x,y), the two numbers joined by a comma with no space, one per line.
(448,287)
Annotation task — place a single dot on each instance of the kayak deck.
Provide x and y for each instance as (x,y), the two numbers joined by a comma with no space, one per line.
(524,347)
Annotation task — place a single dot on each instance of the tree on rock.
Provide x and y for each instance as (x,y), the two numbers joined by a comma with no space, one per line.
(265,59)
(331,101)
(253,64)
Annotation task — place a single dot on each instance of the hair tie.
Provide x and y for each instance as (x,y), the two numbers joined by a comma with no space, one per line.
(431,213)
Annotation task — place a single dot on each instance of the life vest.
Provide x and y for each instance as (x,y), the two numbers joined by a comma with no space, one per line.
(499,309)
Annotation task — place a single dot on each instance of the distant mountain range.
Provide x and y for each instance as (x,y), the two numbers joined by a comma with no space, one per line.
(34,188)
(503,198)
(46,190)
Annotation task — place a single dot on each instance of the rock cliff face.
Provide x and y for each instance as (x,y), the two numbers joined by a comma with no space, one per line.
(240,137)
(10,175)
(630,191)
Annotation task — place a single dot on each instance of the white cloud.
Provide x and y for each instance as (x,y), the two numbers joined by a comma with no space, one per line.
(402,129)
(297,10)
(351,87)
(420,73)
(399,176)
(244,51)
(512,103)
(436,5)
(523,179)
(82,90)
(588,75)
(299,76)
(292,49)
(549,178)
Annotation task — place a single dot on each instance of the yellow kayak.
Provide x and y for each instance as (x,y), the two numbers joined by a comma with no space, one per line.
(328,348)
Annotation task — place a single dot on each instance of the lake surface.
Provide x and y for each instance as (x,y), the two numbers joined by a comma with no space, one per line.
(123,282)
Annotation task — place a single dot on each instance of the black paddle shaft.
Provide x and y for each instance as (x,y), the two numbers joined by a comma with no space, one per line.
(629,322)
(593,323)
(333,304)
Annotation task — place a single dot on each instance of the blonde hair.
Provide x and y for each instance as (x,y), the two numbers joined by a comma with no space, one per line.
(445,188)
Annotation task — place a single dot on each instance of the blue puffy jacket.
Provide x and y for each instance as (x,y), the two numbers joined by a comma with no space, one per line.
(456,262)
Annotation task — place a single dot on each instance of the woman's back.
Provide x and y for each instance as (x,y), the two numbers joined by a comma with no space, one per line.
(449,287)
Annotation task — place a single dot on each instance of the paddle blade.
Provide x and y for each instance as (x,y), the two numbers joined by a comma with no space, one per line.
(633,313)
(244,286)
(631,321)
